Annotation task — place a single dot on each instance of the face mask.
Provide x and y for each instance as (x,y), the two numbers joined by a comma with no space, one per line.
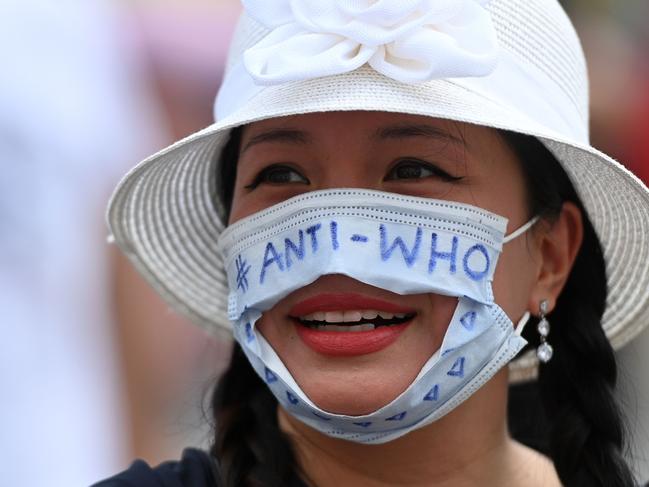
(400,243)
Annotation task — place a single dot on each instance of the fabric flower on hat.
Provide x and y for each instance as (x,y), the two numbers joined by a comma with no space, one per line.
(411,41)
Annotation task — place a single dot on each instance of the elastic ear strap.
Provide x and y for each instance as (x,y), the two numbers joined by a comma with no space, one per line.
(521,323)
(520,231)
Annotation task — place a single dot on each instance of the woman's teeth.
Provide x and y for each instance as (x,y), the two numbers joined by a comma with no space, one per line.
(364,327)
(349,316)
(342,320)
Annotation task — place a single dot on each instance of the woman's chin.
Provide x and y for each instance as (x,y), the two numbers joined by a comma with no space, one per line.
(353,398)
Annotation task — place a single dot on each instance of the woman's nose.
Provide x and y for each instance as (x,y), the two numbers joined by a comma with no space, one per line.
(350,171)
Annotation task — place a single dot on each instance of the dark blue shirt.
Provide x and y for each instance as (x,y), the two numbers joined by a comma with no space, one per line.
(195,469)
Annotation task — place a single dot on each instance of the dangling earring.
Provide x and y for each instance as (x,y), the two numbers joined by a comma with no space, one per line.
(544,350)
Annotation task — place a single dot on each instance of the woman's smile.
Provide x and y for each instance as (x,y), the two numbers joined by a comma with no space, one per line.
(340,324)
(354,372)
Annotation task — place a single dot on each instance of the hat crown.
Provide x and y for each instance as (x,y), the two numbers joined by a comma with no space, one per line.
(536,34)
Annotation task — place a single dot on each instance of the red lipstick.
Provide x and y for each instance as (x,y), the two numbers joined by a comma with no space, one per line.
(347,343)
(344,301)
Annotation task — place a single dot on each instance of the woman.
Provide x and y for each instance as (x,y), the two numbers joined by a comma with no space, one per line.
(404,184)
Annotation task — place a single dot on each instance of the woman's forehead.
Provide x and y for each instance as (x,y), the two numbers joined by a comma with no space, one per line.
(367,127)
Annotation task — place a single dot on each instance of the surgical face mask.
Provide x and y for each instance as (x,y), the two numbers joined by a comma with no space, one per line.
(400,243)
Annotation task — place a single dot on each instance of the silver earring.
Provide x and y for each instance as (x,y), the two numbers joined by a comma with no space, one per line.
(544,350)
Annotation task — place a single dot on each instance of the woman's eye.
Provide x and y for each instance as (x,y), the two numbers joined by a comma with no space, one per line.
(416,169)
(278,174)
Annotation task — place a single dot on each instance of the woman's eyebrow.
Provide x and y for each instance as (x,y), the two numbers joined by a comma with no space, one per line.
(401,131)
(293,136)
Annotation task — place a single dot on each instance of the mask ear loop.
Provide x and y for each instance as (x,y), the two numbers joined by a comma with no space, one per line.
(521,323)
(517,233)
(520,231)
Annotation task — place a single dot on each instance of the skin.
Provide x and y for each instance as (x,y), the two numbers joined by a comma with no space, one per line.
(471,445)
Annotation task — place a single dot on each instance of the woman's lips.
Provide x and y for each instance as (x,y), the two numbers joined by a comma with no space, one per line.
(344,301)
(348,343)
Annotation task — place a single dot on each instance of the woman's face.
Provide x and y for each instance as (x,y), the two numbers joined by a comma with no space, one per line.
(406,154)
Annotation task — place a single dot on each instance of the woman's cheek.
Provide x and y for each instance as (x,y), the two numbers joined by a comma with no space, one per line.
(514,278)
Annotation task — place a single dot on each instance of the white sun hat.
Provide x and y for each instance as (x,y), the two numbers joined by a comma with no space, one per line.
(509,64)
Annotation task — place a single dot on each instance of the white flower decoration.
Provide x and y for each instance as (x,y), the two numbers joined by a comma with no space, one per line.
(411,41)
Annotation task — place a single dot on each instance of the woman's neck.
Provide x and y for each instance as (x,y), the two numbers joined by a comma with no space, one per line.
(468,447)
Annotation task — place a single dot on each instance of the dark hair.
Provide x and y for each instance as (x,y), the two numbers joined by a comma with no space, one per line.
(585,430)
(579,424)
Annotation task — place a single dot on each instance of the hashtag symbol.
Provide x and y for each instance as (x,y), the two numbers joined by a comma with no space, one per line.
(242,273)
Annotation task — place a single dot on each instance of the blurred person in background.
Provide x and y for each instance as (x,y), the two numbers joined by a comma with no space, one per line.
(167,363)
(75,109)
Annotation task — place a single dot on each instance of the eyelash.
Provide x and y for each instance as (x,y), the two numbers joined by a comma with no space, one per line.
(418,163)
(264,174)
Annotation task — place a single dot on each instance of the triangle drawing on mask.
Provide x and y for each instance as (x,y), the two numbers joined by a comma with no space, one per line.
(397,417)
(324,418)
(250,336)
(270,376)
(291,398)
(458,368)
(468,320)
(364,424)
(433,394)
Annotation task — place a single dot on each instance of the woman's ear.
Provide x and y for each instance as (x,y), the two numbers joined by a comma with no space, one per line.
(559,244)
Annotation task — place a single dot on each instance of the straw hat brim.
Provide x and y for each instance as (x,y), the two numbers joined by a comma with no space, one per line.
(163,214)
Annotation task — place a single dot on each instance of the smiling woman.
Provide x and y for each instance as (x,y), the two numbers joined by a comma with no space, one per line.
(353,372)
(375,217)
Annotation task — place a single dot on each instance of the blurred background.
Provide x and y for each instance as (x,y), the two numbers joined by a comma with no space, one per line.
(95,370)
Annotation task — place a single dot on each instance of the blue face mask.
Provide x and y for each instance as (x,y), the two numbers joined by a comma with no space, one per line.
(400,243)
